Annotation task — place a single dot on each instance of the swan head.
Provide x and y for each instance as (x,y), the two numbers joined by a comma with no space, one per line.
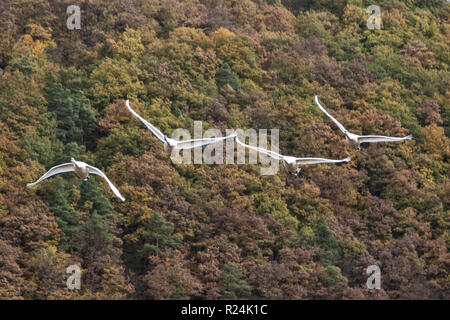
(75,163)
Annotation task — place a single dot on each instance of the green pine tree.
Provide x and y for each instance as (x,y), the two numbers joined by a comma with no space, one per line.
(231,284)
(227,76)
(91,191)
(326,240)
(67,218)
(25,66)
(158,235)
(74,116)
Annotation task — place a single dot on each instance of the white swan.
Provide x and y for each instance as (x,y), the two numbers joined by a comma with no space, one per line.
(170,144)
(291,164)
(356,140)
(82,170)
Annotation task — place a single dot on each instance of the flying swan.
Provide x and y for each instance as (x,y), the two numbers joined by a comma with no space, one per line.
(356,140)
(170,144)
(291,164)
(82,170)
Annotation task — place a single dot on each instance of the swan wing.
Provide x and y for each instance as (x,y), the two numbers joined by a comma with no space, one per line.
(194,143)
(151,127)
(65,167)
(96,171)
(266,152)
(341,127)
(303,161)
(363,139)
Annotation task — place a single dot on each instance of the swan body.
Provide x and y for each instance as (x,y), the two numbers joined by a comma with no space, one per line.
(171,144)
(352,139)
(82,170)
(290,165)
(355,140)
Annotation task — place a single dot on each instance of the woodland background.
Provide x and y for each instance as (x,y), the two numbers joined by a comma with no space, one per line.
(224,231)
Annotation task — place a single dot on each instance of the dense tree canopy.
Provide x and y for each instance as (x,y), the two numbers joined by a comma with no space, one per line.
(224,231)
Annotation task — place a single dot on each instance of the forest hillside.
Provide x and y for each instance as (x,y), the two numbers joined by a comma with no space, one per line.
(224,231)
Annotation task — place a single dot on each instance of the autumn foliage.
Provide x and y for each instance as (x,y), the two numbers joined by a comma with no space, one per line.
(224,231)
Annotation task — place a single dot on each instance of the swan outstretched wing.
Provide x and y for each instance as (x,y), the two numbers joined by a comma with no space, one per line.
(341,127)
(194,143)
(302,161)
(363,139)
(96,171)
(65,167)
(151,127)
(261,150)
